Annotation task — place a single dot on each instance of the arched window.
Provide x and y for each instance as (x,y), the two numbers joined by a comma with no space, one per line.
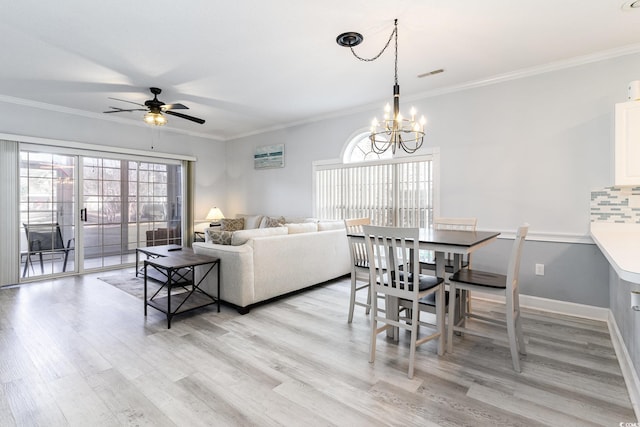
(399,191)
(358,149)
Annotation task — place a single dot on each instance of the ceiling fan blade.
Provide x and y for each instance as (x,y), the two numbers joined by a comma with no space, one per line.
(184,116)
(166,107)
(120,110)
(124,100)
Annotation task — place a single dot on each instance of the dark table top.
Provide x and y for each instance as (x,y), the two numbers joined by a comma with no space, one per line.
(181,259)
(455,237)
(164,250)
(451,237)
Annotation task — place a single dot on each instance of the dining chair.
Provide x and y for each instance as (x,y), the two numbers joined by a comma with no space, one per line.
(394,260)
(359,265)
(494,284)
(461,224)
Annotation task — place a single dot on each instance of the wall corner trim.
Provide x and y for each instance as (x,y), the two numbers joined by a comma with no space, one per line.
(629,373)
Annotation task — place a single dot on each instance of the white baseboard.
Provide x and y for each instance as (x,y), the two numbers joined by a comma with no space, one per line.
(629,372)
(555,306)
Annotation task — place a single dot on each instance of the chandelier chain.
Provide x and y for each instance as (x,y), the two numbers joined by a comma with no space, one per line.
(394,32)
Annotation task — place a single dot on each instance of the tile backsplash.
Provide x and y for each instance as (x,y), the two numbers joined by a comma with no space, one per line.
(611,204)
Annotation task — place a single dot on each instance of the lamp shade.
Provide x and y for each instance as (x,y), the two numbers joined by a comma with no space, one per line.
(214,214)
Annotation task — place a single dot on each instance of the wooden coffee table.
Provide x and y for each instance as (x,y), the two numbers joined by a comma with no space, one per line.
(176,268)
(155,252)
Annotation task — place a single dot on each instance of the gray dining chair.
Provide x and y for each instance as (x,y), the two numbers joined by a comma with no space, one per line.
(394,261)
(506,286)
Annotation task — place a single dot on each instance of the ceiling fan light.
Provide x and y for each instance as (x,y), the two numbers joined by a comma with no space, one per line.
(156,119)
(160,120)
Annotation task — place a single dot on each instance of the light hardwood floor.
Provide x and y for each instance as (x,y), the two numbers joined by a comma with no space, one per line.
(77,351)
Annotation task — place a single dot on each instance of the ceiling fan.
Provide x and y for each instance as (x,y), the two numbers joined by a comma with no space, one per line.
(155,108)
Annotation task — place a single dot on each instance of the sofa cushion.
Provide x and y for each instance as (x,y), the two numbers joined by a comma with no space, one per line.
(250,221)
(268,221)
(330,225)
(298,219)
(218,237)
(231,224)
(304,227)
(241,237)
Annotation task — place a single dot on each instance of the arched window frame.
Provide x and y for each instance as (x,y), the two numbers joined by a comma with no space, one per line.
(400,190)
(358,149)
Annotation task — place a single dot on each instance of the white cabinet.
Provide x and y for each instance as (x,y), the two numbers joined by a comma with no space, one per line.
(627,151)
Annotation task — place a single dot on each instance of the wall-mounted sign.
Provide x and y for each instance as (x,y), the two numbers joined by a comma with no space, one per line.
(269,156)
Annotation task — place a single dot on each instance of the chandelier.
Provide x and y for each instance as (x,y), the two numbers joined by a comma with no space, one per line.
(394,130)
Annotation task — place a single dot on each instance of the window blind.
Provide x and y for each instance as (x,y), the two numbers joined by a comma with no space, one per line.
(391,193)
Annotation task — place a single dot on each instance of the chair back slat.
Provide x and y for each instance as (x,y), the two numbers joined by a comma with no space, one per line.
(456,224)
(462,224)
(357,248)
(394,259)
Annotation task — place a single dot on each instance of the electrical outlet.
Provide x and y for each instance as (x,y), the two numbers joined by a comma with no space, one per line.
(539,269)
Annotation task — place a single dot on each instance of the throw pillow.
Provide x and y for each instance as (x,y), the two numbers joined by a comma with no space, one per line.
(219,237)
(268,221)
(250,221)
(231,224)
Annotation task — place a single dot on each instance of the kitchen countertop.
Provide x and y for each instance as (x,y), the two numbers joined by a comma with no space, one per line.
(620,244)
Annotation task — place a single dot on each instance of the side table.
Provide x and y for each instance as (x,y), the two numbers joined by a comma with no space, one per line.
(173,267)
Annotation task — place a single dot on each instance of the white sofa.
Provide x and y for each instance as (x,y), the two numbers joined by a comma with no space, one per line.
(267,263)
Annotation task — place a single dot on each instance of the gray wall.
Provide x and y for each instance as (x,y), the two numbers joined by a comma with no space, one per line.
(525,150)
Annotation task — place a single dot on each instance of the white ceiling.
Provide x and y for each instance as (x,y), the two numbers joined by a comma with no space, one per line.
(248,66)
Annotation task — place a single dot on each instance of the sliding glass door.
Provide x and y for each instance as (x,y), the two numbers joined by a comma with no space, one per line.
(120,204)
(128,204)
(47,213)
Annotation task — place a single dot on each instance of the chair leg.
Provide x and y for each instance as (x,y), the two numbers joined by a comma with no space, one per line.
(440,320)
(521,345)
(26,265)
(64,264)
(452,316)
(511,332)
(374,331)
(41,264)
(352,297)
(368,300)
(415,320)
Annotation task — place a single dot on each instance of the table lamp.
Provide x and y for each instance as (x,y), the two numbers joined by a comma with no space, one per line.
(214,215)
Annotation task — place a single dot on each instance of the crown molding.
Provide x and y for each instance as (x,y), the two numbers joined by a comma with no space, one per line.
(533,71)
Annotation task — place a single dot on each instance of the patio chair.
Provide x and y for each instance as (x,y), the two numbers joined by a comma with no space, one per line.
(45,238)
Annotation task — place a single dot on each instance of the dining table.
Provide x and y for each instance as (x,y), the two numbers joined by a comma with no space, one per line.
(443,242)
